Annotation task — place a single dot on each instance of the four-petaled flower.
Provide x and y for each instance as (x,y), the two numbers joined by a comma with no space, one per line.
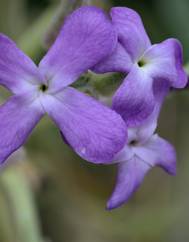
(97,133)
(145,65)
(93,130)
(143,151)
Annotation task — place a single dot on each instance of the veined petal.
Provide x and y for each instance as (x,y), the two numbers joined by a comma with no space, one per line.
(18,116)
(165,61)
(131,32)
(94,131)
(134,100)
(147,128)
(130,175)
(158,152)
(118,61)
(85,39)
(17,71)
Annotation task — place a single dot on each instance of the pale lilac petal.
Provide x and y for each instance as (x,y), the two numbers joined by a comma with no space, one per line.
(93,130)
(165,61)
(118,61)
(18,116)
(124,155)
(17,71)
(85,39)
(158,152)
(130,175)
(147,128)
(131,32)
(134,100)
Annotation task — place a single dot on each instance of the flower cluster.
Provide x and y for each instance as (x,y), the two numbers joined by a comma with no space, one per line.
(123,133)
(151,71)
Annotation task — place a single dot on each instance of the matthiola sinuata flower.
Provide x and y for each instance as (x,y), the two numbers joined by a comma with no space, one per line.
(145,64)
(93,130)
(143,151)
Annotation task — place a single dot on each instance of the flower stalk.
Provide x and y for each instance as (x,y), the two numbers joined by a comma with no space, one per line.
(18,198)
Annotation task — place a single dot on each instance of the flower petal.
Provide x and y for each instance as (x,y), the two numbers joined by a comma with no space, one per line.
(18,116)
(165,61)
(17,71)
(131,32)
(130,175)
(147,128)
(94,131)
(134,100)
(118,61)
(125,154)
(85,39)
(158,152)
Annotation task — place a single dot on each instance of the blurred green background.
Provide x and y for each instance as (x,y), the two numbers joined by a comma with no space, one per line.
(48,194)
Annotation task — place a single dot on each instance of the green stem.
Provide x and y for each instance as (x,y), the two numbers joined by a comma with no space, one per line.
(20,205)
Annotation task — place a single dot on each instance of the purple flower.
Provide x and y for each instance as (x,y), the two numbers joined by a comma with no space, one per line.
(143,151)
(146,64)
(93,130)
